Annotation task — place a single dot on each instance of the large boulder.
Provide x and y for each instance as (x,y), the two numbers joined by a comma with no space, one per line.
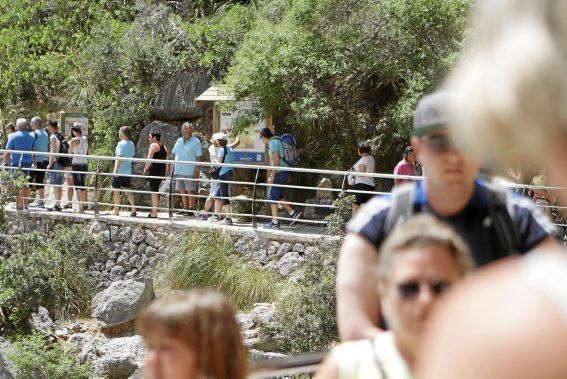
(119,357)
(122,301)
(176,100)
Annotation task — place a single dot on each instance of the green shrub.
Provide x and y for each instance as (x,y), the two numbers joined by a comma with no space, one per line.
(200,259)
(11,182)
(305,313)
(48,272)
(34,356)
(336,221)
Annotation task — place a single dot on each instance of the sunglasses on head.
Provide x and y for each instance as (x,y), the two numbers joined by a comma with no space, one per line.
(439,143)
(410,289)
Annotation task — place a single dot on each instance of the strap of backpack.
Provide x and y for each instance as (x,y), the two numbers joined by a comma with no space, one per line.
(283,147)
(224,155)
(401,208)
(504,226)
(377,360)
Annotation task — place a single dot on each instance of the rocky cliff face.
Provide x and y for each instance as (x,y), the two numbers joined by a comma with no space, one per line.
(176,100)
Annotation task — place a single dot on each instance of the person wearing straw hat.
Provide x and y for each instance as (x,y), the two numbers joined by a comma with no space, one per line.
(494,222)
(214,183)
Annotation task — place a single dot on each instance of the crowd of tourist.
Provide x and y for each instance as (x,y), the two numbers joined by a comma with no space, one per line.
(187,153)
(449,277)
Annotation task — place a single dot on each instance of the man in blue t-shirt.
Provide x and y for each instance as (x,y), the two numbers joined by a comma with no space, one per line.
(123,170)
(277,176)
(41,161)
(20,140)
(450,192)
(187,148)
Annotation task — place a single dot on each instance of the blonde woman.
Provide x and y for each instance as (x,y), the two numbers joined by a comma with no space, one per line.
(418,263)
(510,321)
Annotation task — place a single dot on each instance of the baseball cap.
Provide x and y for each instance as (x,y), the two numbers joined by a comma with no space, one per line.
(431,113)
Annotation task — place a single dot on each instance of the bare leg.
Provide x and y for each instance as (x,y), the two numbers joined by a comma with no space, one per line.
(132,201)
(274,209)
(209,203)
(191,200)
(116,196)
(83,199)
(218,206)
(70,190)
(155,204)
(184,198)
(286,206)
(41,193)
(24,198)
(57,191)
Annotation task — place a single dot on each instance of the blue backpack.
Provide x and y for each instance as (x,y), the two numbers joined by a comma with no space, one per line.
(291,154)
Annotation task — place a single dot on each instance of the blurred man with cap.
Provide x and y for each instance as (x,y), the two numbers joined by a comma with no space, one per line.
(493,222)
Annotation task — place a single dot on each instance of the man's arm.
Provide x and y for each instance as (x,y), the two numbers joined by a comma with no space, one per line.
(276,160)
(6,157)
(358,305)
(236,142)
(52,149)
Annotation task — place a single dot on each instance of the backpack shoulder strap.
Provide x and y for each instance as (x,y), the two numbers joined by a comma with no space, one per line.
(377,360)
(283,148)
(502,219)
(401,208)
(225,152)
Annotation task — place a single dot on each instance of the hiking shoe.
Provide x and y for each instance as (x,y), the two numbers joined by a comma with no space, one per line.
(214,218)
(296,216)
(56,208)
(271,225)
(204,217)
(226,221)
(37,204)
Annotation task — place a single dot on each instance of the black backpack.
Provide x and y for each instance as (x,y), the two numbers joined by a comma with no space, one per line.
(402,209)
(63,149)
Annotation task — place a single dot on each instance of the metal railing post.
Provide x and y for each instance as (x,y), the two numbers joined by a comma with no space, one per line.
(170,194)
(254,218)
(96,192)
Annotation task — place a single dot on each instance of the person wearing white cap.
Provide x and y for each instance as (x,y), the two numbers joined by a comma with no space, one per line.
(213,154)
(226,174)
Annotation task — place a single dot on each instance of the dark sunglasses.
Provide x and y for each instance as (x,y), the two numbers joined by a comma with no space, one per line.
(438,143)
(410,289)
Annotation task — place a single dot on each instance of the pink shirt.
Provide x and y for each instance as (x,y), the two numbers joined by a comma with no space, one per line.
(403,168)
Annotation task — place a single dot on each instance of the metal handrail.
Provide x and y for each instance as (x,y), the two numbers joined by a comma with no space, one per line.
(299,364)
(255,184)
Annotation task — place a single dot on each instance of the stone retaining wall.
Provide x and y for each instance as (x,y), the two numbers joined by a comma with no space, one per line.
(137,246)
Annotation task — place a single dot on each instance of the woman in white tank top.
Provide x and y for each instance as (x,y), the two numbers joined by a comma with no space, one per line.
(79,145)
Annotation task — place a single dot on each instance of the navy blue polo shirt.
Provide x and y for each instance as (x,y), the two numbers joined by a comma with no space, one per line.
(473,223)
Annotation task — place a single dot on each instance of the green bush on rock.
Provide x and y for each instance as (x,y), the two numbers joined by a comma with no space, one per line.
(34,356)
(52,273)
(305,313)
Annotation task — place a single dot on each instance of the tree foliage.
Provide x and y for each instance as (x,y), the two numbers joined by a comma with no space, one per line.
(334,71)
